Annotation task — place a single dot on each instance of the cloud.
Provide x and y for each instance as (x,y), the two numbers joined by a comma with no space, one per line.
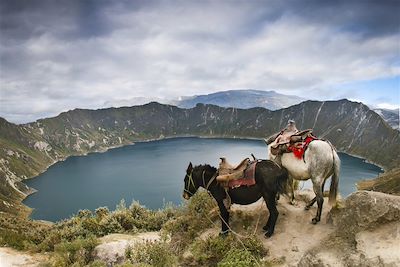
(388,106)
(59,55)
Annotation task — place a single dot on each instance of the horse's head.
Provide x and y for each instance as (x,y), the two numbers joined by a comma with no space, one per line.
(269,144)
(190,187)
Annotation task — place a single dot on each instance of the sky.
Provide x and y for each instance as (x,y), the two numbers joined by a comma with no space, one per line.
(59,55)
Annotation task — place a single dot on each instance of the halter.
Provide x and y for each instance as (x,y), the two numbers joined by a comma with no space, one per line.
(191,181)
(186,189)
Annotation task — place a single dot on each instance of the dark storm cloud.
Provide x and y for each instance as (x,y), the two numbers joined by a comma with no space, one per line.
(22,19)
(368,18)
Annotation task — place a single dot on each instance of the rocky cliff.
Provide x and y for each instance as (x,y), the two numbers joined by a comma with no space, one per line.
(366,233)
(26,150)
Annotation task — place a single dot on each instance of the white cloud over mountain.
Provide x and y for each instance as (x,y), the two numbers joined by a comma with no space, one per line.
(58,57)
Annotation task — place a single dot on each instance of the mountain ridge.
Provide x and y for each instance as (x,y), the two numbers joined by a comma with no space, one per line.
(391,116)
(30,148)
(242,98)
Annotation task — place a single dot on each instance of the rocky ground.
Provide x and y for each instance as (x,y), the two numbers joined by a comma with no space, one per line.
(363,231)
(13,258)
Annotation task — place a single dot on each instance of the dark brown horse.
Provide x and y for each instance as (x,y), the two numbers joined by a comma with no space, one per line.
(271,179)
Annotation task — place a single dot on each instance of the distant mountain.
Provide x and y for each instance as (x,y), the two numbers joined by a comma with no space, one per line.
(391,116)
(135,101)
(27,150)
(242,99)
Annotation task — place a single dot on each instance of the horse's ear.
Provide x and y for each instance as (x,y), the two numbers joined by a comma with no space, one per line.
(222,159)
(190,167)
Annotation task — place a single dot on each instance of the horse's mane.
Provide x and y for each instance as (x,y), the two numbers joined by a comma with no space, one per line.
(206,167)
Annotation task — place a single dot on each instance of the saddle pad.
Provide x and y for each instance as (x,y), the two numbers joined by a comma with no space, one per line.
(248,178)
(298,149)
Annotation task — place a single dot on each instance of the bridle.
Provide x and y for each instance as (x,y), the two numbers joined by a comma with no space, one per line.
(191,181)
(186,189)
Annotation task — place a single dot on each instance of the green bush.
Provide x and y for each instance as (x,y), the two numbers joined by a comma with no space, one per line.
(12,239)
(214,249)
(157,254)
(21,233)
(239,258)
(101,212)
(78,252)
(191,220)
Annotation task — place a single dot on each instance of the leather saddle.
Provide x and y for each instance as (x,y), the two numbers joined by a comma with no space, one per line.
(229,172)
(281,141)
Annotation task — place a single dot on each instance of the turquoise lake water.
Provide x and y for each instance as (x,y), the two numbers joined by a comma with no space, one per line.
(151,173)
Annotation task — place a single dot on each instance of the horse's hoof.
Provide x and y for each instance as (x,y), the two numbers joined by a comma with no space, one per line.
(265,228)
(314,221)
(268,234)
(224,233)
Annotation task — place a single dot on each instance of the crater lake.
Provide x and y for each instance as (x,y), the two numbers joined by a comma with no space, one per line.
(151,173)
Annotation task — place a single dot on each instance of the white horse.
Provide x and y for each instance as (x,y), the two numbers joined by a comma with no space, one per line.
(320,161)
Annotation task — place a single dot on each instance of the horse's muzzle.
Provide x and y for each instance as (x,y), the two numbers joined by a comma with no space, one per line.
(185,195)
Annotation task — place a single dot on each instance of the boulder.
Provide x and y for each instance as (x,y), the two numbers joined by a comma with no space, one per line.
(113,247)
(367,233)
(366,210)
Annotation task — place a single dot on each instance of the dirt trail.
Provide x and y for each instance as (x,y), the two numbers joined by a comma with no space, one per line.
(13,258)
(294,233)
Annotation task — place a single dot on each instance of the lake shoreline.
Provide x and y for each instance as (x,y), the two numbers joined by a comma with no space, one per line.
(153,140)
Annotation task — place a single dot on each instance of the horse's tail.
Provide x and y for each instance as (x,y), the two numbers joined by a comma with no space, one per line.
(333,190)
(282,181)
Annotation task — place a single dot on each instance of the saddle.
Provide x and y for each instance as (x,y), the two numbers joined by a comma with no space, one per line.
(290,140)
(228,172)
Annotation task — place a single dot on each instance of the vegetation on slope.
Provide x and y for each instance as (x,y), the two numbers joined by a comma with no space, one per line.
(388,182)
(71,242)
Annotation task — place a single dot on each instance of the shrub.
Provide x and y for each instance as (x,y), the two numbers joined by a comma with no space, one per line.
(191,220)
(101,212)
(125,220)
(97,263)
(214,249)
(78,252)
(156,254)
(239,258)
(21,233)
(110,225)
(12,239)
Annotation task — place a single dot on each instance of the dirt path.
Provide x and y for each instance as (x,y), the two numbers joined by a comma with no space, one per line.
(294,233)
(12,258)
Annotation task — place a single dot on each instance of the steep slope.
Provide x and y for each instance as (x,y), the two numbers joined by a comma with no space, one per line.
(27,150)
(242,99)
(388,182)
(391,116)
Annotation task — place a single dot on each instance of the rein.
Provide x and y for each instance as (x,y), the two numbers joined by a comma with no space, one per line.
(210,181)
(186,189)
(191,181)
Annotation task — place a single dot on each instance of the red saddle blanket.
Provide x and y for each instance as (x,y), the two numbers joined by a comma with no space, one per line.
(248,178)
(299,148)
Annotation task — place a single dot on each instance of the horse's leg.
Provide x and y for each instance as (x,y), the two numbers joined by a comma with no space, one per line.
(319,195)
(291,184)
(224,213)
(273,213)
(309,205)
